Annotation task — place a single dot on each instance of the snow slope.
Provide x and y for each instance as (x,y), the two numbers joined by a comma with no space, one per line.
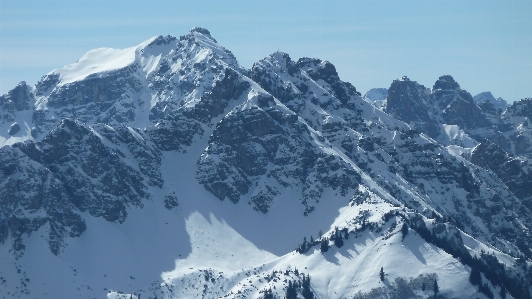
(96,61)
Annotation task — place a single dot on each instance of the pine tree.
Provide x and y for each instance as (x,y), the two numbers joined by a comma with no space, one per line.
(404,230)
(486,290)
(291,292)
(436,288)
(338,241)
(503,293)
(304,247)
(381,274)
(268,294)
(324,246)
(475,278)
(306,292)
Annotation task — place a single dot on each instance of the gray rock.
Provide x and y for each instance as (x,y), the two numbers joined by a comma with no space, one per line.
(30,197)
(75,169)
(408,101)
(515,172)
(13,129)
(248,146)
(16,100)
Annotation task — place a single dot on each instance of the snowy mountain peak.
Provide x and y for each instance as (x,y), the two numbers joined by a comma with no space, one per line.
(279,60)
(102,61)
(446,82)
(318,69)
(201,34)
(200,30)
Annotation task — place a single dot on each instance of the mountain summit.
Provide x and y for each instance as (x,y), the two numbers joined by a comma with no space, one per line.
(168,170)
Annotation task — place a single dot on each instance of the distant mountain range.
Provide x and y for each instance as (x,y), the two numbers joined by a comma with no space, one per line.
(168,170)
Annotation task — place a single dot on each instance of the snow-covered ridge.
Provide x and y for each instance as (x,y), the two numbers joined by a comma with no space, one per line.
(96,61)
(103,60)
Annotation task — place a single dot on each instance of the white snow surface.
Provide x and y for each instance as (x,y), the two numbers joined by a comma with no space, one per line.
(103,60)
(456,136)
(25,122)
(376,94)
(96,61)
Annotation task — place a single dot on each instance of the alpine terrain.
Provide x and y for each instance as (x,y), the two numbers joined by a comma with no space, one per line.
(168,170)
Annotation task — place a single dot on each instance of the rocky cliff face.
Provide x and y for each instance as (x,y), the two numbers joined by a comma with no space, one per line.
(31,197)
(264,145)
(458,107)
(16,100)
(446,103)
(514,125)
(410,102)
(515,172)
(75,168)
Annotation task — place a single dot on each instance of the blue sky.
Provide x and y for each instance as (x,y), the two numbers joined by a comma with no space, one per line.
(483,44)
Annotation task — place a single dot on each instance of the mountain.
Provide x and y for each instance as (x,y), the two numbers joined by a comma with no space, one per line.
(167,170)
(446,112)
(486,96)
(377,96)
(450,115)
(514,126)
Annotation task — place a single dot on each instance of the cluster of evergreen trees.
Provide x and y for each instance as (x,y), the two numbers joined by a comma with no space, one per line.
(268,294)
(337,237)
(303,286)
(493,270)
(305,246)
(476,279)
(436,288)
(294,286)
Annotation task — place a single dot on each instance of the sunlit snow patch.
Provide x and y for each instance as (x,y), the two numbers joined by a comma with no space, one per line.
(216,245)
